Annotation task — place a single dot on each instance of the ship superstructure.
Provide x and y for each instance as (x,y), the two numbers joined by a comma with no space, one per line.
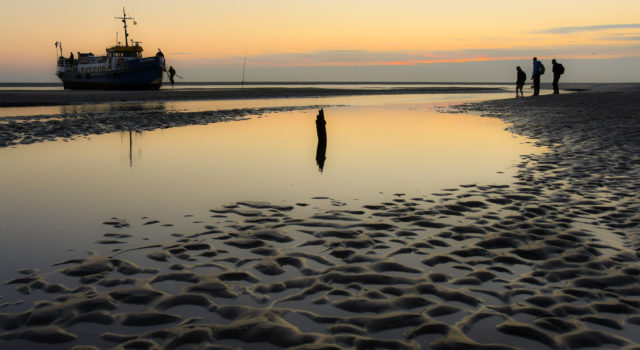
(122,68)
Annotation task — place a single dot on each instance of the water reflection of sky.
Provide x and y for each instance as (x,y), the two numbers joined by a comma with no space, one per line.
(232,85)
(208,105)
(56,194)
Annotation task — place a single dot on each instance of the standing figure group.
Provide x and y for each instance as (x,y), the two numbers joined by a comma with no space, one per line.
(538,70)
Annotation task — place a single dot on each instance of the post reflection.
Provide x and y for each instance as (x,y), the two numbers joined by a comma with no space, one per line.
(130,148)
(124,138)
(321,149)
(321,152)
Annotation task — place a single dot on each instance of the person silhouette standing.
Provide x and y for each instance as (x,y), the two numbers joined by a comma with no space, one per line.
(522,77)
(535,76)
(558,70)
(172,72)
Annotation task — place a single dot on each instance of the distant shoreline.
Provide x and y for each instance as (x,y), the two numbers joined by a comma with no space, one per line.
(41,94)
(166,85)
(31,98)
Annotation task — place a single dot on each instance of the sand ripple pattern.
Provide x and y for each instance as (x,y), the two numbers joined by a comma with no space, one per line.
(550,262)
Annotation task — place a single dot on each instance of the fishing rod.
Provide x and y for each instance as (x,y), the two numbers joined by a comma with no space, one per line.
(169,76)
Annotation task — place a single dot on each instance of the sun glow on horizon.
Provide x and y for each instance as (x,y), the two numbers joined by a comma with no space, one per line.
(332,33)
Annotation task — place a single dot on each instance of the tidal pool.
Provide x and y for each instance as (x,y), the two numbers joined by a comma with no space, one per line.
(56,195)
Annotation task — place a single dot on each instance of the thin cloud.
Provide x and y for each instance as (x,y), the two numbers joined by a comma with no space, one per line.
(623,38)
(411,62)
(363,58)
(368,58)
(565,30)
(186,53)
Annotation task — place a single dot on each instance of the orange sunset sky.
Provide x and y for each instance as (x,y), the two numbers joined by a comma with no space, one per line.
(335,40)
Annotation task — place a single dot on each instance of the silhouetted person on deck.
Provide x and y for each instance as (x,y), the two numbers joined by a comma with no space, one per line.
(538,70)
(172,72)
(159,53)
(71,58)
(558,70)
(522,78)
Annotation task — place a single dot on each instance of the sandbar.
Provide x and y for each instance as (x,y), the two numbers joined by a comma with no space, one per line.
(20,98)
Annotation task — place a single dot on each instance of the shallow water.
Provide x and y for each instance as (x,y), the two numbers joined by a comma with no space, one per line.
(57,194)
(212,105)
(231,85)
(527,264)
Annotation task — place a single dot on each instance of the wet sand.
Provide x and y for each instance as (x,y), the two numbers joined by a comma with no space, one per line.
(17,98)
(30,129)
(66,126)
(549,262)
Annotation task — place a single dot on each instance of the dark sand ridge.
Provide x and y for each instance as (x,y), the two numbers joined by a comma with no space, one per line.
(550,262)
(17,98)
(31,129)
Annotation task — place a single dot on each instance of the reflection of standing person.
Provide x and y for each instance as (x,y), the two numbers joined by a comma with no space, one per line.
(558,70)
(535,76)
(522,77)
(172,72)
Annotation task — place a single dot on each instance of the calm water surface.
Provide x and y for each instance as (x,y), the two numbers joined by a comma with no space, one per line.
(57,194)
(209,105)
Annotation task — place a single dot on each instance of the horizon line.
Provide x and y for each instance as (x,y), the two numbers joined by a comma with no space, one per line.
(25,84)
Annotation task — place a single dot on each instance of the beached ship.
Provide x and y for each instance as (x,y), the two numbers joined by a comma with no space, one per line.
(122,68)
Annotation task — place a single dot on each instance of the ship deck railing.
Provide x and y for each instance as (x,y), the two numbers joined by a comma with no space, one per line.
(67,63)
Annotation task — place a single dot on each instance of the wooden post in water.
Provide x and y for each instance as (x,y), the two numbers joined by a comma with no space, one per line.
(321,150)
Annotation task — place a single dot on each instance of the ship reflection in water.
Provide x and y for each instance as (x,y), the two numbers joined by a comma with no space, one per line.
(113,107)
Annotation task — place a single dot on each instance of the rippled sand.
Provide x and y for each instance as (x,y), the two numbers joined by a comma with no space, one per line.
(548,262)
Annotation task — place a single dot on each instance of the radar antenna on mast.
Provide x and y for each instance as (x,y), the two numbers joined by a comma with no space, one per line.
(124,19)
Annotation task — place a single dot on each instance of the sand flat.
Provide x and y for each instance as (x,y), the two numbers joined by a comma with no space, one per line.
(14,98)
(483,266)
(46,125)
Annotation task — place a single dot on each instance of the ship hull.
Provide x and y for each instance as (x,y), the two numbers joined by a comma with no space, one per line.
(137,74)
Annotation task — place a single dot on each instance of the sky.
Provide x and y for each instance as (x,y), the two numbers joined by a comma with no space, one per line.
(334,40)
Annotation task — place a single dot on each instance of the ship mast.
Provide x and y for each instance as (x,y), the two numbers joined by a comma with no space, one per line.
(124,19)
